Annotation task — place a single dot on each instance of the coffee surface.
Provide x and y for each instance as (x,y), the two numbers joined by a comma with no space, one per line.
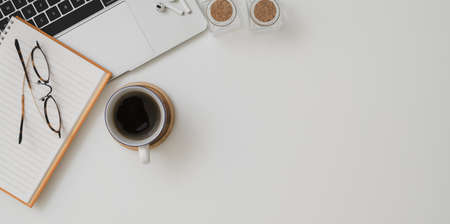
(221,10)
(137,115)
(265,11)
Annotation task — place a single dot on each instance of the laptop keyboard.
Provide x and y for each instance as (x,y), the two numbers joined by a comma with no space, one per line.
(52,16)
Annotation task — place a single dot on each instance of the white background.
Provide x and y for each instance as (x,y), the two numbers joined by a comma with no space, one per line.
(341,117)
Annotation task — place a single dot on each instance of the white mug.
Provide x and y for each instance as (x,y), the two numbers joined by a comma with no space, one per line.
(154,136)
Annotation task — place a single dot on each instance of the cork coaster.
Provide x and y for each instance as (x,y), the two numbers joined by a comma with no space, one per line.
(221,10)
(170,115)
(265,12)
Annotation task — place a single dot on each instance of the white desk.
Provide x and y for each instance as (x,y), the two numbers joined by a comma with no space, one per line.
(342,117)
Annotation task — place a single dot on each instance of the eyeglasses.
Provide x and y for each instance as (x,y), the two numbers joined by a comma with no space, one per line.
(39,86)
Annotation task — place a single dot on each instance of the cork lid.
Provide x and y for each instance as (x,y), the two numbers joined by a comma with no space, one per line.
(265,12)
(221,12)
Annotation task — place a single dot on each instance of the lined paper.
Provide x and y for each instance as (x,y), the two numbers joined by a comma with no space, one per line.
(74,81)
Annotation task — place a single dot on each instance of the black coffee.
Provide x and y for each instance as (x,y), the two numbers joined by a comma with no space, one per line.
(137,116)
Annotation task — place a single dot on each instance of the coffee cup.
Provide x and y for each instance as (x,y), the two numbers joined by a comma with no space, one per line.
(139,116)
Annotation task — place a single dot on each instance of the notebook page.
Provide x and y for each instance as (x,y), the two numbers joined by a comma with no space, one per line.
(74,80)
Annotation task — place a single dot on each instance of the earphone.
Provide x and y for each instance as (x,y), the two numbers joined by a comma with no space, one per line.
(161,7)
(186,7)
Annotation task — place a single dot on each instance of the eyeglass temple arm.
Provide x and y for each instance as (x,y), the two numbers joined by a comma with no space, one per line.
(19,52)
(22,118)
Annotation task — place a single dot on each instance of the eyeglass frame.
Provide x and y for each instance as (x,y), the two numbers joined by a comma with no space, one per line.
(41,81)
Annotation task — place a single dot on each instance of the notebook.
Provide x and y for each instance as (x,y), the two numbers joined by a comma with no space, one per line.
(77,83)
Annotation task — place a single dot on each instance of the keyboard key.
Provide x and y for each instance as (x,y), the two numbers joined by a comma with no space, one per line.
(40,5)
(17,14)
(19,3)
(77,3)
(29,11)
(53,13)
(74,17)
(65,7)
(108,2)
(53,2)
(3,23)
(7,8)
(31,22)
(41,20)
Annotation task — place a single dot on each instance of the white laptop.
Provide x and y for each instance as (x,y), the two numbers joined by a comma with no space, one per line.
(117,34)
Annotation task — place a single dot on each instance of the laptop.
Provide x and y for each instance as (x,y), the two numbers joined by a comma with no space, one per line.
(117,34)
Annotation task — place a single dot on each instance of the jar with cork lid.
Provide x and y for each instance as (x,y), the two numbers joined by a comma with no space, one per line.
(264,15)
(222,15)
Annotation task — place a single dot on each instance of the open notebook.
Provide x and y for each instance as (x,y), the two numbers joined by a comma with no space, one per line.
(77,83)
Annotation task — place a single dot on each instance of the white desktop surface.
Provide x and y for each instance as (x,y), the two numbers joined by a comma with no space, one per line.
(341,117)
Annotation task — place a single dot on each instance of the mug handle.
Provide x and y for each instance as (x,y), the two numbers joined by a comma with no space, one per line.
(144,154)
